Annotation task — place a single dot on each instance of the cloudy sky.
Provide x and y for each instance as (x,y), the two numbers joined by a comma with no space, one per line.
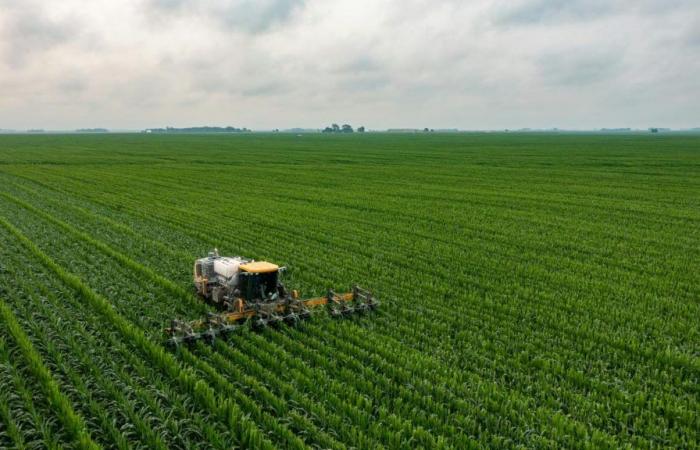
(383,63)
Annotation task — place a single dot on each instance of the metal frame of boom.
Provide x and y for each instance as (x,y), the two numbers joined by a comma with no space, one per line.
(261,314)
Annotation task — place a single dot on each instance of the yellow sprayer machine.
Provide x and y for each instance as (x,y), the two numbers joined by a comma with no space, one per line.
(245,290)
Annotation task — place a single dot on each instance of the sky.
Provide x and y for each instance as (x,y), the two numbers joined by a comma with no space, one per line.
(263,64)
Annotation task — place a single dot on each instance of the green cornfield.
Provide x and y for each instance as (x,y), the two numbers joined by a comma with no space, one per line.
(538,290)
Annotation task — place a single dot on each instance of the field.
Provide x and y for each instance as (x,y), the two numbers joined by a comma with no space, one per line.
(537,290)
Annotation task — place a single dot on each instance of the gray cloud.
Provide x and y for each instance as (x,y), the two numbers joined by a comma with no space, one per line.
(359,64)
(257,15)
(27,31)
(692,33)
(265,89)
(280,63)
(167,5)
(364,83)
(73,84)
(251,16)
(559,12)
(554,11)
(579,68)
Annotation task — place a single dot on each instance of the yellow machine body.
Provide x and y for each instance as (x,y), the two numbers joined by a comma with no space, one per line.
(259,267)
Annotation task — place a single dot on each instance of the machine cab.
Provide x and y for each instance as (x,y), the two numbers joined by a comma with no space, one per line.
(259,280)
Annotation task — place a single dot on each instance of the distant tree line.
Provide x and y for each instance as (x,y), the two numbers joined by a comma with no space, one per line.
(198,130)
(334,128)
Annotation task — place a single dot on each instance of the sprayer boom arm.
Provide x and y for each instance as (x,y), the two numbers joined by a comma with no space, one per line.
(287,309)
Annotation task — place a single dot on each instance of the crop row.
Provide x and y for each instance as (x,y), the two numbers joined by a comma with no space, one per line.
(249,405)
(545,277)
(117,275)
(556,299)
(104,369)
(516,310)
(202,393)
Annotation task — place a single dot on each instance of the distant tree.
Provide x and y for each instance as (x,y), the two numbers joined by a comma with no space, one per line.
(361,129)
(335,128)
(204,129)
(425,130)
